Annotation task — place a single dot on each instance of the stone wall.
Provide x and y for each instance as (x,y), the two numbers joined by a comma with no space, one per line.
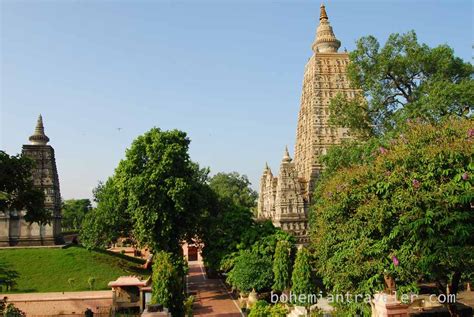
(66,303)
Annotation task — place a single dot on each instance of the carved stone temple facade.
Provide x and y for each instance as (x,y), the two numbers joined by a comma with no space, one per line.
(285,198)
(14,230)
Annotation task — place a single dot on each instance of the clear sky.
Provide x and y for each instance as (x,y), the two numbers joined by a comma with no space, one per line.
(228,73)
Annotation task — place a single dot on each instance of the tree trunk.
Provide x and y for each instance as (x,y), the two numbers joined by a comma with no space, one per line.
(453,311)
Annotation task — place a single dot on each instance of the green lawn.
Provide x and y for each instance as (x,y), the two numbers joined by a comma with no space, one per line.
(52,270)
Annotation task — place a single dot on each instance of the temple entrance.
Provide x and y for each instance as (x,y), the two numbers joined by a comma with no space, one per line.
(192,253)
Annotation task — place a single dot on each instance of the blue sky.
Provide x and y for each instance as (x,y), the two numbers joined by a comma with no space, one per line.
(228,73)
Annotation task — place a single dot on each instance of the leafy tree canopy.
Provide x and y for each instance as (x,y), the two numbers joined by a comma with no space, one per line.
(230,227)
(406,213)
(235,188)
(18,191)
(157,193)
(402,80)
(163,188)
(109,220)
(73,212)
(251,271)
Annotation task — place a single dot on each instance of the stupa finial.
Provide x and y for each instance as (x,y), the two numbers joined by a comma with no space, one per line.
(323,14)
(286,156)
(326,41)
(38,137)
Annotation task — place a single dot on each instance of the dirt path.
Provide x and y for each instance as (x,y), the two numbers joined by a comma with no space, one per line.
(212,299)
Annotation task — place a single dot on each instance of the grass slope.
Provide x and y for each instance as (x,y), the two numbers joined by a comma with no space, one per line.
(49,270)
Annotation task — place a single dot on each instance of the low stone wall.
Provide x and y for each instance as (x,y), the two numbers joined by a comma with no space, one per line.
(67,303)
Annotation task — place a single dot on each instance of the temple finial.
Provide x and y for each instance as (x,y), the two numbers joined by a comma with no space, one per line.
(323,14)
(286,156)
(326,41)
(38,137)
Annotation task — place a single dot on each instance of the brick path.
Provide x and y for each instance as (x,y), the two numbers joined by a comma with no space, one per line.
(212,299)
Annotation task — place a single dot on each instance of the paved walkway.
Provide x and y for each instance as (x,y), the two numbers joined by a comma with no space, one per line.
(212,299)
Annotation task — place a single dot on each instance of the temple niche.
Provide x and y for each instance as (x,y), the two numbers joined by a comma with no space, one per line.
(285,198)
(14,230)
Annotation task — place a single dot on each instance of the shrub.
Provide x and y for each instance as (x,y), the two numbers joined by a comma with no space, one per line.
(282,266)
(91,282)
(263,309)
(302,278)
(188,304)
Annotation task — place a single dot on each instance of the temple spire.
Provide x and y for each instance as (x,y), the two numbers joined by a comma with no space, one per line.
(38,137)
(326,41)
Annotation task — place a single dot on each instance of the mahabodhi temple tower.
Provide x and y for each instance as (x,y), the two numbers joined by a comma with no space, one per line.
(285,198)
(14,230)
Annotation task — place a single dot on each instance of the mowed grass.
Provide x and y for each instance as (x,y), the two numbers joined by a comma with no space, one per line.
(66,270)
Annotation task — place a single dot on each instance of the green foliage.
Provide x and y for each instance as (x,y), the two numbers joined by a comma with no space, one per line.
(168,283)
(279,310)
(347,153)
(260,309)
(405,213)
(73,212)
(8,276)
(404,79)
(163,189)
(251,254)
(235,188)
(109,221)
(188,306)
(223,234)
(229,227)
(263,309)
(282,266)
(302,278)
(18,191)
(251,271)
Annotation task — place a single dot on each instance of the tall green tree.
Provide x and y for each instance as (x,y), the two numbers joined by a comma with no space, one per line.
(406,214)
(282,266)
(163,188)
(302,279)
(402,80)
(18,191)
(157,194)
(73,213)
